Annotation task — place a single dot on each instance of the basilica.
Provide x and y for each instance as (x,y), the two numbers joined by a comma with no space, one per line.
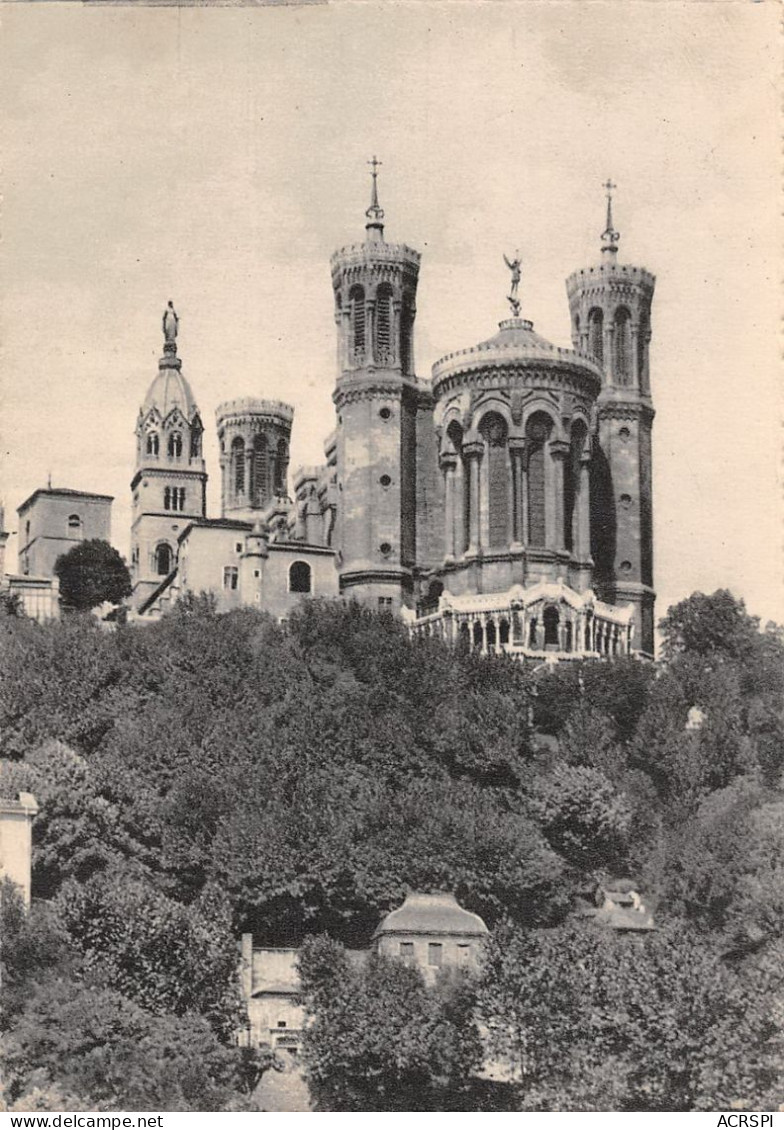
(503,504)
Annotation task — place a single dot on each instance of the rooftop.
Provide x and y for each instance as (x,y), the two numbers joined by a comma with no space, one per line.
(436,913)
(62,492)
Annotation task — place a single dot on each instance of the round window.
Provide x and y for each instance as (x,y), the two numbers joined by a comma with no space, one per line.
(626,566)
(385,548)
(626,501)
(385,480)
(385,413)
(624,433)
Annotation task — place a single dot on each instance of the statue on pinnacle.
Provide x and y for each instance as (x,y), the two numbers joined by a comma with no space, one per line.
(514,267)
(170,324)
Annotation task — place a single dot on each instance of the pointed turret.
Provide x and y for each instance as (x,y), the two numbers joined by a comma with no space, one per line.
(376,397)
(169,484)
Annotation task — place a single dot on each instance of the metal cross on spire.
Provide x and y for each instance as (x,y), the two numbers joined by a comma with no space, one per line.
(374,212)
(610,236)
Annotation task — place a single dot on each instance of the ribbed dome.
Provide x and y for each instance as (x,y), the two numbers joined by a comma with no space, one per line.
(170,390)
(438,913)
(515,344)
(515,333)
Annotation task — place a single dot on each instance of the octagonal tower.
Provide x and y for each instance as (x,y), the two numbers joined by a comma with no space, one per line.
(610,306)
(377,400)
(254,437)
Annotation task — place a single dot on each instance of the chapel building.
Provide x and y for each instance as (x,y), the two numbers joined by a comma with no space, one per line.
(503,504)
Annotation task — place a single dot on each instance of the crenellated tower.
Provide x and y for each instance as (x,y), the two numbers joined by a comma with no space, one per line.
(254,437)
(610,306)
(170,481)
(377,399)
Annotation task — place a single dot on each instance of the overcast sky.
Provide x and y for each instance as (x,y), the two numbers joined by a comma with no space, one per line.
(217,156)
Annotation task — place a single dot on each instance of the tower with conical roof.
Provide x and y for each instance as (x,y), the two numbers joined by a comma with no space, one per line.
(170,480)
(610,306)
(377,400)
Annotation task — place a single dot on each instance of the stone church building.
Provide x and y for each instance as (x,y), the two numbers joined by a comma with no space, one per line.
(504,503)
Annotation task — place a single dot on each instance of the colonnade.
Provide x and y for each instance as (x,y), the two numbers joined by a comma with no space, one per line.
(529,518)
(537,628)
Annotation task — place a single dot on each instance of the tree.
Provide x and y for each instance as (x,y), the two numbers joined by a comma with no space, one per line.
(96,1044)
(168,958)
(715,625)
(91,573)
(589,1019)
(32,944)
(379,1038)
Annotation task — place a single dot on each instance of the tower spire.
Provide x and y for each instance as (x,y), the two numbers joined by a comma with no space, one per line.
(375,213)
(610,236)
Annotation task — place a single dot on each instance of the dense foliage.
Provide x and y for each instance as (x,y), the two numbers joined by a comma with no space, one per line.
(381,1040)
(210,774)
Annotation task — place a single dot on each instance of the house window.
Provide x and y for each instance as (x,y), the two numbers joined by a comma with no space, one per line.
(300,577)
(231,577)
(385,604)
(238,547)
(407,952)
(281,1024)
(435,953)
(175,445)
(152,443)
(463,954)
(74,526)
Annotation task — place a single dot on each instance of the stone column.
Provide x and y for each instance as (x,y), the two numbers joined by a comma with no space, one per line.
(473,455)
(370,332)
(394,344)
(448,464)
(517,456)
(609,353)
(583,531)
(634,360)
(559,452)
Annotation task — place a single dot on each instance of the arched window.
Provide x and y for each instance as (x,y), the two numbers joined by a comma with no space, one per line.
(258,471)
(572,480)
(74,526)
(537,432)
(461,500)
(300,579)
(281,467)
(550,621)
(356,299)
(407,334)
(167,498)
(175,445)
(152,443)
(384,351)
(163,559)
(622,347)
(494,432)
(195,443)
(642,345)
(238,464)
(596,334)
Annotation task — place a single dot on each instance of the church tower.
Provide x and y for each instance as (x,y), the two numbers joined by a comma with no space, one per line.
(610,308)
(376,398)
(254,437)
(169,484)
